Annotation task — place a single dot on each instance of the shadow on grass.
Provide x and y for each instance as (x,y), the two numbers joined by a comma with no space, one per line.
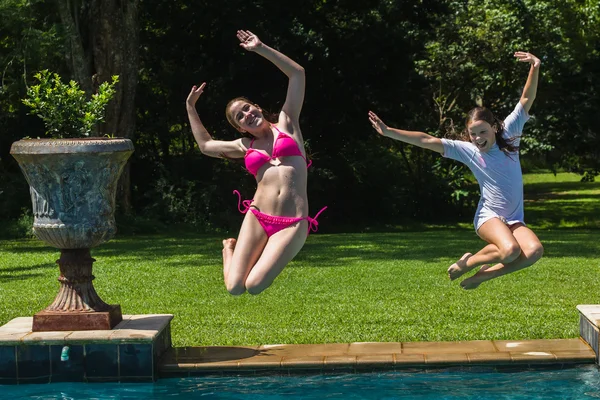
(556,214)
(151,248)
(545,188)
(557,204)
(20,248)
(582,198)
(18,277)
(337,250)
(28,268)
(421,246)
(433,246)
(19,273)
(570,243)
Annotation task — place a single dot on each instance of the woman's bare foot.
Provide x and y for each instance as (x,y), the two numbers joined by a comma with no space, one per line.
(477,279)
(228,247)
(229,243)
(459,268)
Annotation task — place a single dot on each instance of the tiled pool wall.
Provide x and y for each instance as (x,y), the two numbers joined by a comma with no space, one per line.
(130,352)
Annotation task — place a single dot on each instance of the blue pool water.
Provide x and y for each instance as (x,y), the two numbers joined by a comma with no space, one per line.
(574,383)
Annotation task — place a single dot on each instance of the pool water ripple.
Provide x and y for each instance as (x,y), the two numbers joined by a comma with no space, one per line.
(582,382)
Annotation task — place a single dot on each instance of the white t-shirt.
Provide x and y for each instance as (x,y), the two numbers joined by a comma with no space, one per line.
(499,175)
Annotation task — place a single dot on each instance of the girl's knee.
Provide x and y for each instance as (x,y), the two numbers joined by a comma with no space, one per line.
(235,287)
(536,251)
(510,252)
(256,286)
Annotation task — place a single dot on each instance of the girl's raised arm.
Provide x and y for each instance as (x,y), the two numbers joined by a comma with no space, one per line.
(530,89)
(295,72)
(207,145)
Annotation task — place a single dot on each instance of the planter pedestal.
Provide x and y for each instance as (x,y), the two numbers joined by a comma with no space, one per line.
(77,306)
(46,321)
(73,187)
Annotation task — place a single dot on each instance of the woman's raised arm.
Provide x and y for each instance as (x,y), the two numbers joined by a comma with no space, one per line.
(295,72)
(207,145)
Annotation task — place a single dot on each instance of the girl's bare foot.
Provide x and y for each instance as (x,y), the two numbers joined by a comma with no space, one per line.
(477,279)
(229,243)
(459,268)
(228,247)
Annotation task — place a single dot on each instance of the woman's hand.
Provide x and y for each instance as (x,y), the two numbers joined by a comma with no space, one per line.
(249,40)
(377,123)
(528,58)
(195,94)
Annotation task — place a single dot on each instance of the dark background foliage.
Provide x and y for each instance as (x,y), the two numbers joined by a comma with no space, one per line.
(420,64)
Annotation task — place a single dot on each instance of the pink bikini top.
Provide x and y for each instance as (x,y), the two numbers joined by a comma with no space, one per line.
(284,146)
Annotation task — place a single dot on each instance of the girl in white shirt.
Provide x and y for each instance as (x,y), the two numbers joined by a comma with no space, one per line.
(492,155)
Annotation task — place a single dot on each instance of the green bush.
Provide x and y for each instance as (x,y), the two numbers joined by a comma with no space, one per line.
(18,228)
(65,109)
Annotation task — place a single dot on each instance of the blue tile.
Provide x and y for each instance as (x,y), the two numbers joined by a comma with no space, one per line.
(173,374)
(72,370)
(33,361)
(101,361)
(102,380)
(137,379)
(36,380)
(8,362)
(136,360)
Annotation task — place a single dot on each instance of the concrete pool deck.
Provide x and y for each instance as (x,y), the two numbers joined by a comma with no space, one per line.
(372,356)
(139,349)
(281,358)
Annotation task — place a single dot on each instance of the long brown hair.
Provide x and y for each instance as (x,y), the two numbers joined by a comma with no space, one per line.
(484,114)
(231,119)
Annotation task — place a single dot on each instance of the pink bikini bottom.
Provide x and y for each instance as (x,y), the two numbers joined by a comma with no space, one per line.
(272,223)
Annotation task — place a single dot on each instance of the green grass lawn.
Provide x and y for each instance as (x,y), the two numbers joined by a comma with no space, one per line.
(561,201)
(342,287)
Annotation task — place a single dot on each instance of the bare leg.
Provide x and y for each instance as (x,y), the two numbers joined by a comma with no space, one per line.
(532,251)
(502,247)
(281,248)
(243,254)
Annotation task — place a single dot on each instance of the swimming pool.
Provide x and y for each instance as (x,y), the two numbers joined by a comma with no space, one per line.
(582,382)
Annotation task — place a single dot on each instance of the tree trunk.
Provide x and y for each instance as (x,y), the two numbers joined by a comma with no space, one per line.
(103,37)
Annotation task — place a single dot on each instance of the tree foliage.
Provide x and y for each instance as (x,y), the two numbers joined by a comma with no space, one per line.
(420,64)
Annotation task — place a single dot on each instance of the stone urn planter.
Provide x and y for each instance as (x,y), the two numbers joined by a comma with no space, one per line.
(73,187)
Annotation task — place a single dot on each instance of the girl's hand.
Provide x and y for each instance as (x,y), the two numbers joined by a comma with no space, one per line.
(249,40)
(528,58)
(377,123)
(195,94)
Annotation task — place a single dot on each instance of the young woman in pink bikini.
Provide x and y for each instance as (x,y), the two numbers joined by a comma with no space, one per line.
(276,223)
(491,153)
